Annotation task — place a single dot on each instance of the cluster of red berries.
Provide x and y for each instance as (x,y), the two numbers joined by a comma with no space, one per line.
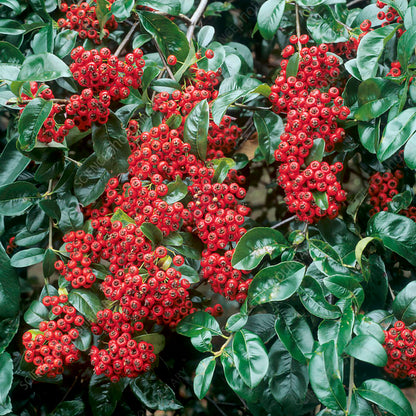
(312,108)
(104,78)
(83,19)
(215,310)
(395,69)
(222,277)
(11,245)
(125,356)
(50,130)
(399,344)
(53,345)
(390,16)
(83,250)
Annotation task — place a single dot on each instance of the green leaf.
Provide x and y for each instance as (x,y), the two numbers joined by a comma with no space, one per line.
(397,132)
(10,54)
(196,323)
(255,244)
(11,27)
(316,152)
(386,395)
(174,121)
(8,329)
(90,180)
(86,302)
(170,39)
(396,232)
(321,199)
(69,408)
(195,130)
(140,40)
(205,36)
(104,395)
(202,342)
(404,305)
(339,331)
(269,127)
(120,215)
(31,121)
(223,101)
(36,313)
(152,232)
(121,9)
(222,166)
(232,376)
(288,380)
(157,340)
(410,152)
(250,357)
(26,258)
(294,332)
(325,28)
(324,375)
(312,297)
(366,348)
(370,49)
(176,191)
(9,288)
(43,67)
(48,262)
(406,46)
(71,215)
(203,376)
(276,283)
(192,246)
(6,375)
(83,342)
(367,326)
(103,14)
(236,322)
(345,287)
(64,43)
(293,65)
(320,250)
(269,17)
(12,163)
(369,135)
(111,146)
(154,393)
(170,7)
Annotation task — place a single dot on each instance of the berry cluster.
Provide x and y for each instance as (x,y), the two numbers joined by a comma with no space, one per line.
(399,344)
(50,130)
(104,78)
(215,310)
(395,69)
(83,19)
(389,17)
(125,356)
(312,108)
(53,345)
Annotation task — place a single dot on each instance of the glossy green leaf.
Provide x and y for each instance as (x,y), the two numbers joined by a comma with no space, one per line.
(69,408)
(371,48)
(250,357)
(90,180)
(222,102)
(103,14)
(192,246)
(31,121)
(9,288)
(140,40)
(397,132)
(222,166)
(312,297)
(11,27)
(8,329)
(85,302)
(269,17)
(404,305)
(369,135)
(48,262)
(6,375)
(344,287)
(170,39)
(396,232)
(232,375)
(121,9)
(202,342)
(325,27)
(104,395)
(255,244)
(203,376)
(406,46)
(196,323)
(71,215)
(386,395)
(293,65)
(36,313)
(157,340)
(10,54)
(64,43)
(205,36)
(26,258)
(110,145)
(195,131)
(269,127)
(410,152)
(276,283)
(12,163)
(154,393)
(324,375)
(236,322)
(294,332)
(152,232)
(177,190)
(288,380)
(43,67)
(320,250)
(316,152)
(120,215)
(367,348)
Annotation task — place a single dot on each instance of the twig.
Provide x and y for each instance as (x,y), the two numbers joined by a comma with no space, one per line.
(181,16)
(393,296)
(54,100)
(350,384)
(298,25)
(195,18)
(283,222)
(73,161)
(126,39)
(162,57)
(216,405)
(250,107)
(351,3)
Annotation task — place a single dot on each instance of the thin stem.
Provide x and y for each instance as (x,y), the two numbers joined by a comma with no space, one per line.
(284,222)
(250,107)
(393,296)
(351,3)
(159,51)
(126,39)
(73,161)
(351,384)
(221,350)
(195,18)
(54,100)
(181,16)
(298,25)
(216,405)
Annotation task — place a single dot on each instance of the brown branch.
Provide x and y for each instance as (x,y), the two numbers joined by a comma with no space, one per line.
(298,25)
(284,222)
(162,57)
(181,16)
(195,18)
(54,100)
(126,39)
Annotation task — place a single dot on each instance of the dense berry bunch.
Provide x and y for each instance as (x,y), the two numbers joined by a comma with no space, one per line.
(399,344)
(312,107)
(395,69)
(104,78)
(50,130)
(125,357)
(53,345)
(382,188)
(389,16)
(83,19)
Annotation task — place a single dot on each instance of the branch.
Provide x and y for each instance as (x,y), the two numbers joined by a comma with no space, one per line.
(283,222)
(350,385)
(162,57)
(351,3)
(250,107)
(126,39)
(195,18)
(54,100)
(181,16)
(298,25)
